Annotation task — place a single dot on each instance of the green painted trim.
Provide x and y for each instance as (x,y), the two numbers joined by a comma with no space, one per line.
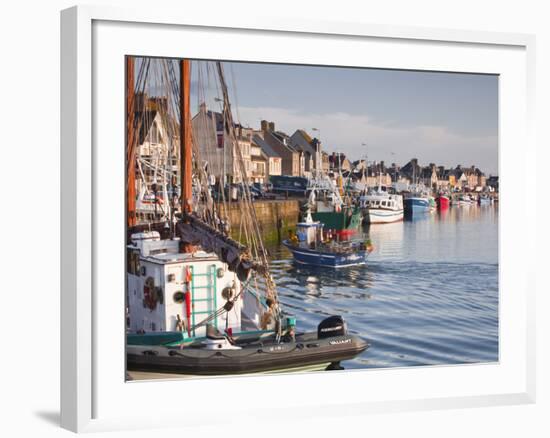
(202,338)
(214,292)
(193,298)
(155,338)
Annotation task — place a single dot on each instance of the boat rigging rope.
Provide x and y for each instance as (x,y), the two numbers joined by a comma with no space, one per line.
(157,94)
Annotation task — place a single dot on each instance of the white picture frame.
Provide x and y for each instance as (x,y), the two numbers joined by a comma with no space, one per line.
(94,395)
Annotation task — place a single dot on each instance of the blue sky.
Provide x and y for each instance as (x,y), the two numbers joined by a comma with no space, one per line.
(446,118)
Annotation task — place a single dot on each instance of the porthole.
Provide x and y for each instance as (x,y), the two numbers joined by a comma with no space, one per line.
(179,297)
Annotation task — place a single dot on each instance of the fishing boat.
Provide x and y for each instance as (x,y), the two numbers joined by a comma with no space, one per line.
(310,246)
(416,205)
(218,354)
(442,202)
(465,200)
(198,301)
(418,200)
(484,200)
(325,204)
(379,206)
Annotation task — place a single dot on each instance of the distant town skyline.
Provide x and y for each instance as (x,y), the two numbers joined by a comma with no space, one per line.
(389,115)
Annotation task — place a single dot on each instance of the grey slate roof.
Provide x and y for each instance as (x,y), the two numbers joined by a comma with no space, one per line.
(299,140)
(266,148)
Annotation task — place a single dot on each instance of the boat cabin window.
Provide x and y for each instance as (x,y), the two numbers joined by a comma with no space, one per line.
(157,251)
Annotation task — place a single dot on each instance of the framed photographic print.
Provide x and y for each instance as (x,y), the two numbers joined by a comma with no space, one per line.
(321,212)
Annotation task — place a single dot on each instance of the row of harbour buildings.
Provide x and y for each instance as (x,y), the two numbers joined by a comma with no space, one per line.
(268,152)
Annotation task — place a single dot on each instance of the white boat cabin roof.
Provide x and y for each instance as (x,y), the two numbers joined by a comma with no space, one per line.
(155,250)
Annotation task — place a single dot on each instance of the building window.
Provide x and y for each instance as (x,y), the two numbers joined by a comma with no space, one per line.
(155,134)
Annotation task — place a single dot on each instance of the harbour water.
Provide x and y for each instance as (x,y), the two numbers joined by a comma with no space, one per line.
(428,295)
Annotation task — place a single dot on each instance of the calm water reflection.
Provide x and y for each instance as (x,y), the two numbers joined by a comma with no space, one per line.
(429,294)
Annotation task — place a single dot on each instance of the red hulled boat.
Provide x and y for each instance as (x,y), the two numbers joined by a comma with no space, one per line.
(442,202)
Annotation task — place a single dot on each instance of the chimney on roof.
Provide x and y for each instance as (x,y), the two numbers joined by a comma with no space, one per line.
(202,107)
(272,126)
(264,125)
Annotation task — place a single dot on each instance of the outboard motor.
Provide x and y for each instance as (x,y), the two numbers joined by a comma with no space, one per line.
(332,326)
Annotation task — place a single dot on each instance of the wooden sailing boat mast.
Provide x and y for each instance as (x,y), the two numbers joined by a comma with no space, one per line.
(130,144)
(186,149)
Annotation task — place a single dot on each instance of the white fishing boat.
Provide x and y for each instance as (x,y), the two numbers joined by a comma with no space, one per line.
(379,206)
(484,199)
(465,201)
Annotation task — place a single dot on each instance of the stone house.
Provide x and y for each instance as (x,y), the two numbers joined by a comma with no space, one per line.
(302,142)
(293,162)
(339,162)
(259,172)
(325,162)
(492,182)
(411,171)
(273,160)
(459,178)
(428,176)
(217,151)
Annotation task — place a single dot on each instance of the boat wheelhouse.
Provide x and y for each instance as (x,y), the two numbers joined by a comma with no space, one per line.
(170,290)
(327,206)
